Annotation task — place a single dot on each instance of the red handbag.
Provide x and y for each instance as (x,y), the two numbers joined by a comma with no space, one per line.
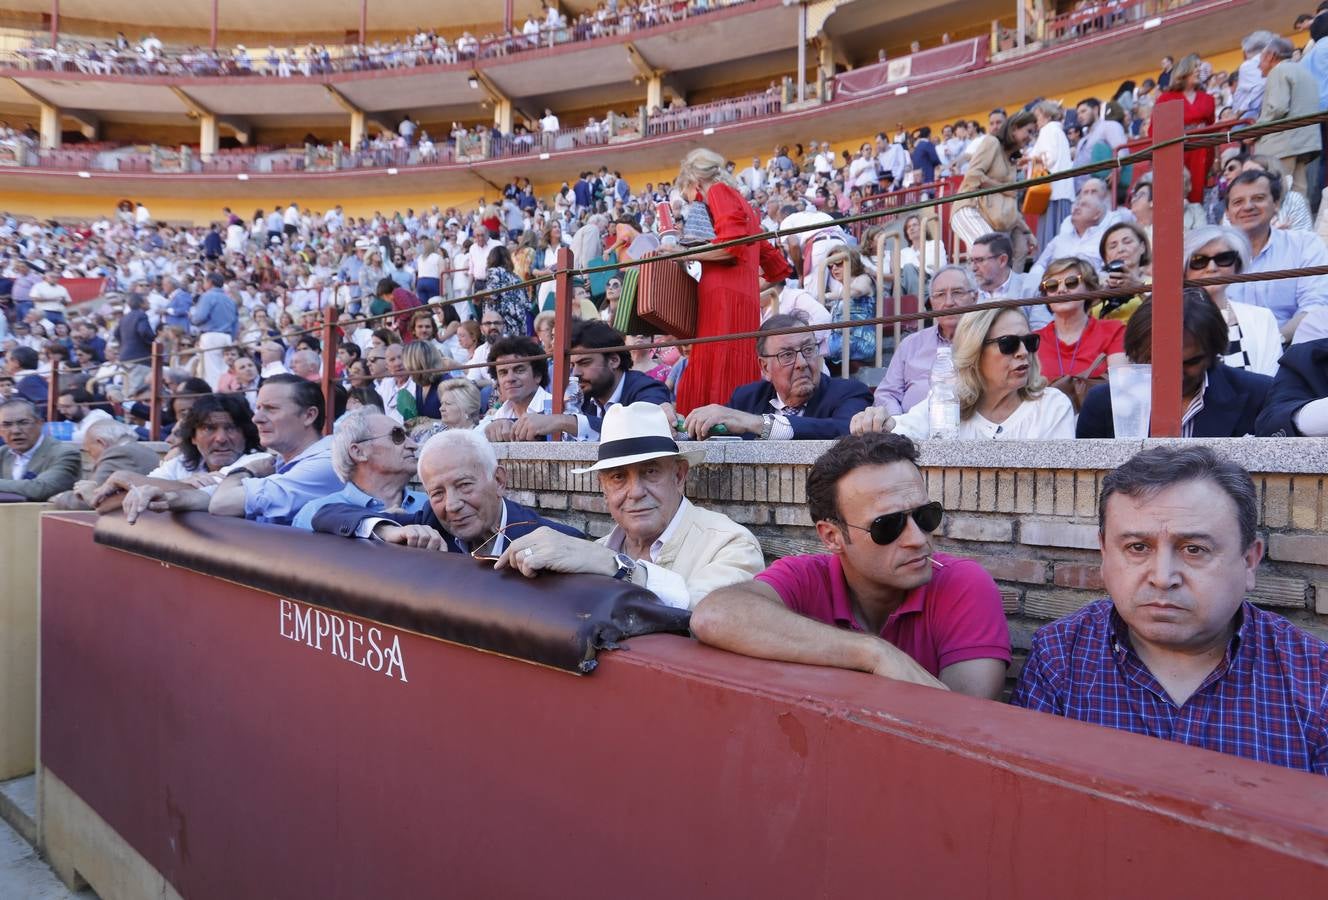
(666,298)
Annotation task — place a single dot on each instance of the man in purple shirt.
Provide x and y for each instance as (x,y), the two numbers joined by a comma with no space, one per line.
(882,600)
(908,379)
(1177,652)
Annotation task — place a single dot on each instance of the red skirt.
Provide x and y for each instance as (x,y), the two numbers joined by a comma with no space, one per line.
(716,369)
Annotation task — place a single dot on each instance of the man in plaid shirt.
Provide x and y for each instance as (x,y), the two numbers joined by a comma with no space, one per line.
(1177,652)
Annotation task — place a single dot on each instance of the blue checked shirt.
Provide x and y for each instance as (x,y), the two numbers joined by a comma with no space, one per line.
(1267,700)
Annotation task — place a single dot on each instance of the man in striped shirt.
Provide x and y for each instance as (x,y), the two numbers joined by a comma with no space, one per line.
(1177,652)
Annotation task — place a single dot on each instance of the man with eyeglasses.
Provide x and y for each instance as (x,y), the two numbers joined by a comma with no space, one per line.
(989,258)
(881,600)
(33,466)
(793,400)
(373,454)
(907,381)
(466,510)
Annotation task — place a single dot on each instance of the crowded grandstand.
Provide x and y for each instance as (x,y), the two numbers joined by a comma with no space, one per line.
(1131,278)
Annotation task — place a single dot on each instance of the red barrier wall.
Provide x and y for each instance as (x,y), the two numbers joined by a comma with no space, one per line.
(243,763)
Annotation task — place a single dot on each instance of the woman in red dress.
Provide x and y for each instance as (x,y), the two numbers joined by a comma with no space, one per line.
(728,296)
(1200,110)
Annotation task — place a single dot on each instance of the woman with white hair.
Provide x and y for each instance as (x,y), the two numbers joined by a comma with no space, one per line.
(728,296)
(1002,394)
(1255,344)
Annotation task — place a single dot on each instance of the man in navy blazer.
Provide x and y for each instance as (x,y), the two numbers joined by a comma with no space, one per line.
(605,379)
(794,400)
(467,512)
(1298,400)
(1230,399)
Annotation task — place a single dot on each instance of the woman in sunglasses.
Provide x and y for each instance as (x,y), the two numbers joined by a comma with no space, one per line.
(1002,394)
(1253,340)
(1074,343)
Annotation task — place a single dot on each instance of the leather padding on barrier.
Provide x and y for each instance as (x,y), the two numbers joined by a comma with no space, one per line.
(556,620)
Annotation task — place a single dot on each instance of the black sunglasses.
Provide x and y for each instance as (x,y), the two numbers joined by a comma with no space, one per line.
(1225,260)
(398,436)
(1009,343)
(886,529)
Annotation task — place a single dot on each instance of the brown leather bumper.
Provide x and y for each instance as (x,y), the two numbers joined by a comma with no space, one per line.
(556,620)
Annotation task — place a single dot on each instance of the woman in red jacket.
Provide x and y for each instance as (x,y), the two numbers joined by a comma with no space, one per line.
(1200,110)
(728,296)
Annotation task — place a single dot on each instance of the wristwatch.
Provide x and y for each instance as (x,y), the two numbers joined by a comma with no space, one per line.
(626,566)
(767,423)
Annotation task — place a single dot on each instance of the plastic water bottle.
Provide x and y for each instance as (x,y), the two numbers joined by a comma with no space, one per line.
(572,398)
(943,411)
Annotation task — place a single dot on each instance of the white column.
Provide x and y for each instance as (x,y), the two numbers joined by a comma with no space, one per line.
(50,127)
(209,139)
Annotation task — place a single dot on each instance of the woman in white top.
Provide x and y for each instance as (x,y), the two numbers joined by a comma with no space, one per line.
(1002,394)
(428,270)
(1052,149)
(919,253)
(1255,344)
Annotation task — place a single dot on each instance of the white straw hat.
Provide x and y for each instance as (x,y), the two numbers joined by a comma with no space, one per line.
(635,433)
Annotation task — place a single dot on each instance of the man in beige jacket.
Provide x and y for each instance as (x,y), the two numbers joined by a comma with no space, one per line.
(660,540)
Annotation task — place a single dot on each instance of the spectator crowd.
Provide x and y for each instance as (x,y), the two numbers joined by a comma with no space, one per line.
(438,375)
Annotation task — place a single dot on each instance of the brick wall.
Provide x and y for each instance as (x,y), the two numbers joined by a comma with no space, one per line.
(1027,512)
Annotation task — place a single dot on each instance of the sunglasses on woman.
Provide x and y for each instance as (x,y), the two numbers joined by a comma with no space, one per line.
(398,436)
(1009,343)
(886,529)
(1225,260)
(1052,285)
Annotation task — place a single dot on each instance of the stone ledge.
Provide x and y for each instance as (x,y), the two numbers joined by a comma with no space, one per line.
(1259,455)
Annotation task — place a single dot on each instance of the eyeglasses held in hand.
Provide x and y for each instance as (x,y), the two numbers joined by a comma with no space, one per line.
(398,436)
(1052,285)
(886,529)
(492,556)
(1225,260)
(786,357)
(1009,343)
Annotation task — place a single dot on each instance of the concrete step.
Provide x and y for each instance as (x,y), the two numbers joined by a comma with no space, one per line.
(18,806)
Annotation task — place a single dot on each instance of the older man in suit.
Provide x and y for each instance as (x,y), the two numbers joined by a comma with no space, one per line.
(660,541)
(33,466)
(793,400)
(466,510)
(113,447)
(1289,91)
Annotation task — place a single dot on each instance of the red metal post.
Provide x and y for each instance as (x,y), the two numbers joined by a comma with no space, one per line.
(507,17)
(213,42)
(329,366)
(562,329)
(1168,271)
(53,393)
(55,22)
(364,20)
(154,393)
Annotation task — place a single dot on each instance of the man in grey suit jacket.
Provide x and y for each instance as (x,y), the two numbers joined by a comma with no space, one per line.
(1290,90)
(33,466)
(113,447)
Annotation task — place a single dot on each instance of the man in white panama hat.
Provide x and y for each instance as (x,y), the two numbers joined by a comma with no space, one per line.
(660,541)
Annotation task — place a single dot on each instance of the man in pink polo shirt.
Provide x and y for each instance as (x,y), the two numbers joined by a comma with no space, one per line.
(881,600)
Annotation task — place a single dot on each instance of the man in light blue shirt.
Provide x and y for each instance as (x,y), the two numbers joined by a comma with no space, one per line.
(214,316)
(376,458)
(1252,202)
(264,487)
